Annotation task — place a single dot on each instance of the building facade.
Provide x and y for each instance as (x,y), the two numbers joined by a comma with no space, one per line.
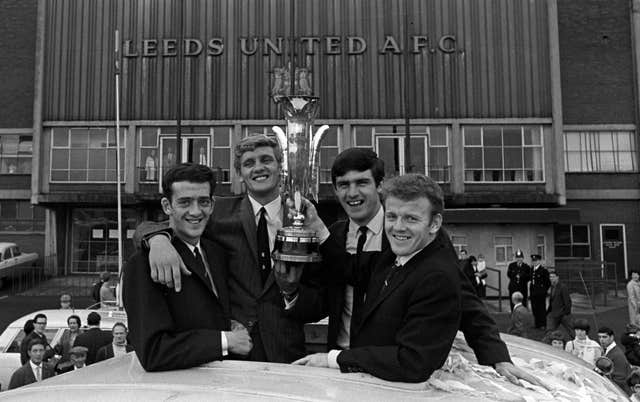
(524,111)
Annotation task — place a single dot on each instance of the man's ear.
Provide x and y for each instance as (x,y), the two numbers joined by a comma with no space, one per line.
(166,205)
(436,223)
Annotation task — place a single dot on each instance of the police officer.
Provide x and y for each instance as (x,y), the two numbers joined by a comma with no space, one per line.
(540,284)
(519,274)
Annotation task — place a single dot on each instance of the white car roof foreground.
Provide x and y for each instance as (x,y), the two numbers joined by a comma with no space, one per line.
(123,379)
(4,244)
(57,318)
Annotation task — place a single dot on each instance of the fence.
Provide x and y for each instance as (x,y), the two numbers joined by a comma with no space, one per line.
(497,289)
(596,278)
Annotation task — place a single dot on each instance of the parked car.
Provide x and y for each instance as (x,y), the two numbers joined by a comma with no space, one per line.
(460,379)
(12,260)
(56,326)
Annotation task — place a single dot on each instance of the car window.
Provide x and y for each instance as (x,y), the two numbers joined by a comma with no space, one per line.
(16,251)
(14,347)
(7,254)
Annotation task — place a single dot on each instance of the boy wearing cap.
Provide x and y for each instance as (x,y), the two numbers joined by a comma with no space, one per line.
(539,288)
(519,274)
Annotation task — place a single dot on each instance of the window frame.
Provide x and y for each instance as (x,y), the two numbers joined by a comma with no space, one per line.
(18,156)
(508,249)
(571,244)
(589,153)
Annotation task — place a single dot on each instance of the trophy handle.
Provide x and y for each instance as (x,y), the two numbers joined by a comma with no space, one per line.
(281,137)
(314,160)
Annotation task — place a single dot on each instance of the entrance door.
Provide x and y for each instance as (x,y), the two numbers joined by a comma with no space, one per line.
(614,249)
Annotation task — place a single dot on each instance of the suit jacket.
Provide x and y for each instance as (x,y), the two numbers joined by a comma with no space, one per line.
(410,317)
(24,356)
(559,302)
(521,321)
(232,225)
(621,367)
(93,339)
(479,328)
(24,375)
(540,282)
(170,330)
(106,352)
(518,283)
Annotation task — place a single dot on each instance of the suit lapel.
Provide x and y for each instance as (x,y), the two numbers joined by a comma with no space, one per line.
(216,274)
(190,260)
(249,226)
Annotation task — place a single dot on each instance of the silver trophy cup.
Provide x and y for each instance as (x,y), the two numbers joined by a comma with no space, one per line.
(301,148)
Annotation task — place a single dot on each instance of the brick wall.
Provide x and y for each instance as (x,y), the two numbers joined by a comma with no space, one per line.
(17,62)
(596,61)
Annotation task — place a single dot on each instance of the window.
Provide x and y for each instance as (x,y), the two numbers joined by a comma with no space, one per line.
(540,246)
(428,148)
(328,151)
(149,169)
(572,241)
(21,216)
(504,249)
(600,151)
(87,155)
(503,154)
(15,154)
(459,243)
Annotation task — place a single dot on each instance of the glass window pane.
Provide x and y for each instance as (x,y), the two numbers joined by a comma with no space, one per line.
(59,159)
(580,234)
(438,157)
(25,211)
(512,136)
(532,158)
(59,175)
(562,234)
(8,209)
(9,145)
(363,136)
(96,175)
(97,138)
(473,158)
(221,137)
(417,151)
(607,162)
(25,145)
(149,137)
(500,254)
(572,141)
(79,137)
(112,159)
(492,158)
(417,129)
(513,158)
(605,141)
(625,161)
(388,151)
(503,240)
(438,135)
(60,137)
(77,175)
(385,129)
(532,136)
(624,141)
(492,136)
(581,251)
(78,159)
(330,138)
(221,158)
(472,135)
(562,251)
(97,159)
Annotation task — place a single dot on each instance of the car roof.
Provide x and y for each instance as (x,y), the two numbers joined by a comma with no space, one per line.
(123,378)
(58,318)
(6,244)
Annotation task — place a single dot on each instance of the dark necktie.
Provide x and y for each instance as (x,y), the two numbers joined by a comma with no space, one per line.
(203,267)
(359,287)
(264,254)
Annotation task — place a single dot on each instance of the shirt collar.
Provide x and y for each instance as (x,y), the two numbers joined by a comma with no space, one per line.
(608,349)
(516,306)
(403,259)
(192,247)
(375,225)
(273,208)
(33,365)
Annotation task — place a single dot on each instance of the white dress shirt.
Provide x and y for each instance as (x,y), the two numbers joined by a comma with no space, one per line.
(35,368)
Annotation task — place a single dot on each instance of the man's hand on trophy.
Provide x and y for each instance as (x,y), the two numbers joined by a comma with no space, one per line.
(287,275)
(165,263)
(312,220)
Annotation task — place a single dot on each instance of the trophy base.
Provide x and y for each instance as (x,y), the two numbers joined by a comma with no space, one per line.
(295,244)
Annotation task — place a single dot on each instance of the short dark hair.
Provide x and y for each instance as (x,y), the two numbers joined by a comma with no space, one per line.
(191,172)
(74,317)
(471,259)
(605,330)
(360,160)
(582,324)
(411,186)
(119,324)
(252,142)
(28,327)
(93,318)
(556,336)
(33,342)
(39,315)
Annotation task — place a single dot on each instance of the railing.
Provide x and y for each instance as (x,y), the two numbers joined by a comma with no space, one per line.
(590,277)
(497,289)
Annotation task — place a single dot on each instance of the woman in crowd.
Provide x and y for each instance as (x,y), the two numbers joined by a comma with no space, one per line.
(66,342)
(583,347)
(633,297)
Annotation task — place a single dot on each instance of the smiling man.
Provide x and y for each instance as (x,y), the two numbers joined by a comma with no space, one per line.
(273,305)
(413,301)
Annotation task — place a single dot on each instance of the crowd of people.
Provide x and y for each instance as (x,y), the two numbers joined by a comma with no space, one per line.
(78,347)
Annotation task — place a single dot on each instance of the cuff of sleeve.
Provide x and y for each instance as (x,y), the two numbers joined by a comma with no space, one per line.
(289,304)
(224,344)
(145,240)
(323,234)
(332,359)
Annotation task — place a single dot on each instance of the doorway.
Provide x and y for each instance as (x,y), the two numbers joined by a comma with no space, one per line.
(613,248)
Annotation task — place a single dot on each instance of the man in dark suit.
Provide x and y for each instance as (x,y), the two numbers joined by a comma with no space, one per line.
(559,312)
(93,338)
(412,310)
(273,306)
(521,319)
(171,330)
(350,251)
(519,274)
(34,370)
(539,289)
(118,347)
(621,367)
(39,326)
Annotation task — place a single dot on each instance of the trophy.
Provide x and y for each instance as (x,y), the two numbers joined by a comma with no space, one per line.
(301,152)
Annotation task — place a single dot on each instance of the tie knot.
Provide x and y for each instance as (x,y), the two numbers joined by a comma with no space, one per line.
(363,230)
(196,252)
(263,211)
